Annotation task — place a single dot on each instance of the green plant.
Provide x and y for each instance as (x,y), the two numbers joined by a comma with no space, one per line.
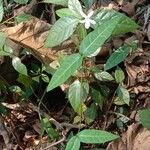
(99,26)
(92,30)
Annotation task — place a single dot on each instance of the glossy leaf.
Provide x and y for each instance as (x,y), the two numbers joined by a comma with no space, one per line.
(19,66)
(61,31)
(58,2)
(1,10)
(77,94)
(73,144)
(64,12)
(103,76)
(21,1)
(67,69)
(125,24)
(119,75)
(96,39)
(123,94)
(75,7)
(96,136)
(145,117)
(117,57)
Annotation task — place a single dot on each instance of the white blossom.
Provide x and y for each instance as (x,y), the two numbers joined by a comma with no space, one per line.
(87,19)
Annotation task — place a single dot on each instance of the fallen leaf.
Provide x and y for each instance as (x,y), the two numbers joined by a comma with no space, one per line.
(31,35)
(135,138)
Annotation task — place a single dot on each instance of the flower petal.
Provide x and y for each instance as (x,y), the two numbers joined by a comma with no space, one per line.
(90,14)
(83,14)
(87,24)
(92,21)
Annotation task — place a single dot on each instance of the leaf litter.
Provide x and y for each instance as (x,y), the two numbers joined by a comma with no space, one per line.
(32,34)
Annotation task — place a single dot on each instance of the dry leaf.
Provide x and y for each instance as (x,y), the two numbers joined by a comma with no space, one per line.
(31,35)
(135,138)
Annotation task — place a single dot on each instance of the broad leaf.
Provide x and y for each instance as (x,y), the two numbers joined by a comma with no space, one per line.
(96,136)
(19,66)
(77,94)
(64,12)
(1,10)
(145,117)
(21,1)
(23,17)
(103,76)
(58,2)
(67,69)
(91,113)
(61,31)
(96,39)
(119,75)
(73,143)
(75,7)
(124,25)
(117,57)
(123,94)
(97,97)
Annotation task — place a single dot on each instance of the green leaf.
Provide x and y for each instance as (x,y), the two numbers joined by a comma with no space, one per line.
(15,89)
(75,7)
(64,12)
(118,101)
(124,25)
(61,31)
(77,94)
(2,39)
(57,2)
(119,75)
(81,31)
(91,113)
(96,136)
(6,51)
(19,66)
(67,69)
(23,17)
(123,94)
(97,97)
(145,117)
(96,39)
(117,57)
(3,109)
(103,76)
(21,1)
(73,143)
(1,10)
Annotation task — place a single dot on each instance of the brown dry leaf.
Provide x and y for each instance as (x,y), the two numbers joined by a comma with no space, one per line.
(129,8)
(31,35)
(135,138)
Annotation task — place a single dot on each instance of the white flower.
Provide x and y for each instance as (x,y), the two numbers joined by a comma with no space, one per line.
(87,21)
